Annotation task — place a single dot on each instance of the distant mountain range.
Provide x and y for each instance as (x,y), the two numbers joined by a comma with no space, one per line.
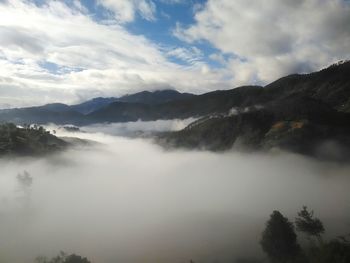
(296,112)
(86,112)
(329,86)
(144,97)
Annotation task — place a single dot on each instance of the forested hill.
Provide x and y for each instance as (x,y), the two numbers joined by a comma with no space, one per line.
(298,124)
(33,140)
(308,114)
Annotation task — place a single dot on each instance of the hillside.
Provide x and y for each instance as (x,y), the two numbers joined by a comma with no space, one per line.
(155,97)
(194,106)
(295,123)
(86,112)
(92,105)
(41,115)
(330,86)
(28,141)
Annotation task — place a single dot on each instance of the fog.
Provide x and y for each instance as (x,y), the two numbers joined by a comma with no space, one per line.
(147,127)
(128,200)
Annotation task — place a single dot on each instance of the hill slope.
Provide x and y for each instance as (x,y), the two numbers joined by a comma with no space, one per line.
(155,97)
(28,141)
(295,123)
(330,86)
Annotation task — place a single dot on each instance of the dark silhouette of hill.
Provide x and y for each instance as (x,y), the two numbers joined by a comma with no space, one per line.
(330,85)
(155,97)
(41,115)
(92,105)
(295,123)
(193,106)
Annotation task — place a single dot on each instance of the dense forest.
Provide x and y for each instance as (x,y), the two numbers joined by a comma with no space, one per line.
(27,140)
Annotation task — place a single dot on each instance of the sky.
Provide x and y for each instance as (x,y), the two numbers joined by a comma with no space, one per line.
(70,51)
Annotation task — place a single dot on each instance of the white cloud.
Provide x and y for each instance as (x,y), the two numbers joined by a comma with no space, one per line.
(92,59)
(192,56)
(171,2)
(147,10)
(54,52)
(272,38)
(132,128)
(125,10)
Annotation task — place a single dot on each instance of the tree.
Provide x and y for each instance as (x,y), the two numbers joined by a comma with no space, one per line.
(63,258)
(76,259)
(25,179)
(308,224)
(279,240)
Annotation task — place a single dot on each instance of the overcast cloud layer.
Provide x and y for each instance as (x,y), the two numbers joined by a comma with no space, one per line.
(271,38)
(92,58)
(63,52)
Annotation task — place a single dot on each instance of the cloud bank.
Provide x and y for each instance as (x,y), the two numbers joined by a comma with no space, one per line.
(55,52)
(125,10)
(268,39)
(68,51)
(132,128)
(129,201)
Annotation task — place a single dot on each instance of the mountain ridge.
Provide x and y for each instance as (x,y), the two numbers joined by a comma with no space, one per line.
(329,85)
(298,113)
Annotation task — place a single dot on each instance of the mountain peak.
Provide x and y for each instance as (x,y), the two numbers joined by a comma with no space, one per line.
(337,64)
(154,97)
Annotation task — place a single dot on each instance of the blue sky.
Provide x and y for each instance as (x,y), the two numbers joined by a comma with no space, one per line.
(70,51)
(168,15)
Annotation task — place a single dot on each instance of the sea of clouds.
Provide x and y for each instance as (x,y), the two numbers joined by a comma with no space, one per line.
(129,200)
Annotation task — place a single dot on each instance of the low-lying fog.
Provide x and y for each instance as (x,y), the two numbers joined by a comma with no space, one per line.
(129,201)
(130,128)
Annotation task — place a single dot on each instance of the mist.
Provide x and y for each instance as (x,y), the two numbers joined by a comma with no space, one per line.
(129,200)
(146,127)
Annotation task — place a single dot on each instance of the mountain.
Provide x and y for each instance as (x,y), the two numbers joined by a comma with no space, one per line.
(41,115)
(86,112)
(295,123)
(57,107)
(124,112)
(330,86)
(143,97)
(307,114)
(155,97)
(192,106)
(92,105)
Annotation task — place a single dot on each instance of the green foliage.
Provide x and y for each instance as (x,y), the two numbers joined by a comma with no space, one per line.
(334,251)
(27,140)
(308,224)
(279,240)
